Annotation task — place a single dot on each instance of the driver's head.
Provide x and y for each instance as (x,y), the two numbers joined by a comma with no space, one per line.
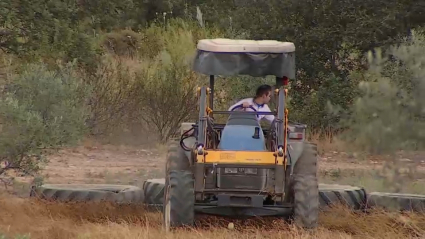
(263,93)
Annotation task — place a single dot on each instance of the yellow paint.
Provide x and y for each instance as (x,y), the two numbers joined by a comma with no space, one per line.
(285,145)
(280,160)
(209,110)
(199,158)
(198,92)
(240,157)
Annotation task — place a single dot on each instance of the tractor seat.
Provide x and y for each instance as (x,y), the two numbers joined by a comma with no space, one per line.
(238,134)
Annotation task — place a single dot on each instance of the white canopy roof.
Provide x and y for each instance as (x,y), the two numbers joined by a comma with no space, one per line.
(245,46)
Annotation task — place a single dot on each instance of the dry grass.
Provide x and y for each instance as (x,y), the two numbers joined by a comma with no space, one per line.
(54,220)
(327,142)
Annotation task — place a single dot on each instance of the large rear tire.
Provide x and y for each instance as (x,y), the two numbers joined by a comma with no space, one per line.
(179,191)
(176,158)
(89,193)
(306,188)
(396,201)
(153,190)
(346,195)
(179,202)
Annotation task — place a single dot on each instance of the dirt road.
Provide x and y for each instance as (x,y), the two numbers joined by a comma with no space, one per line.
(131,165)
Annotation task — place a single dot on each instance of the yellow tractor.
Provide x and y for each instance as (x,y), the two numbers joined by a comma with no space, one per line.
(241,168)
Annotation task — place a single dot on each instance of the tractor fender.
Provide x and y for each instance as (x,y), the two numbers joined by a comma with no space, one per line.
(295,148)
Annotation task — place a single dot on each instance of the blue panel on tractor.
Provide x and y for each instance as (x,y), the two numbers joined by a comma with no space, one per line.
(239,137)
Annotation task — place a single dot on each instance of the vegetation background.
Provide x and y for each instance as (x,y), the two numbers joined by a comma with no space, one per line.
(119,70)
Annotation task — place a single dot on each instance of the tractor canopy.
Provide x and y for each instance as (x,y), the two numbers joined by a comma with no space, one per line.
(227,57)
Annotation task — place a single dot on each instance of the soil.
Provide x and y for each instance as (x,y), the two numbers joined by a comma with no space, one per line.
(125,164)
(103,163)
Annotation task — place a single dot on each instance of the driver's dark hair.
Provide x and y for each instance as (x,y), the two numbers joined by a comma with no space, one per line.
(262,90)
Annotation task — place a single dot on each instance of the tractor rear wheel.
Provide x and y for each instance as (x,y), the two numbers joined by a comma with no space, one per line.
(179,191)
(176,158)
(179,201)
(305,188)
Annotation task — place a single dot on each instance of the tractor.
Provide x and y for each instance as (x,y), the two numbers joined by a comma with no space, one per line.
(242,168)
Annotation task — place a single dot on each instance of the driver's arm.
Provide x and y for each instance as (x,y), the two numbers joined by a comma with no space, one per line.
(238,103)
(269,118)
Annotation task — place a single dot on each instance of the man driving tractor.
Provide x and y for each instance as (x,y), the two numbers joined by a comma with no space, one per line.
(259,102)
(241,168)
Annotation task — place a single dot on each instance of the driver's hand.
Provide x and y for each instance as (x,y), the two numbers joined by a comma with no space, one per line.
(245,104)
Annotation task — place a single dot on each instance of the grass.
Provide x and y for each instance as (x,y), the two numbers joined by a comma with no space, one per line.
(373,181)
(84,220)
(350,167)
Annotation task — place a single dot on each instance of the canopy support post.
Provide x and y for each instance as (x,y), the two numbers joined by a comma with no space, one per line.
(212,92)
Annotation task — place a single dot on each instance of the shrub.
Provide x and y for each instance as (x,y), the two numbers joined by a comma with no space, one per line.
(389,114)
(155,89)
(40,110)
(110,98)
(123,42)
(166,86)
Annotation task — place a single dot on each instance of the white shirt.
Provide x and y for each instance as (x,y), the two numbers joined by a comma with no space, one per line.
(259,108)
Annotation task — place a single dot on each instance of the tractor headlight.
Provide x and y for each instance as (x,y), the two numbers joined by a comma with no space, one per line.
(250,171)
(230,170)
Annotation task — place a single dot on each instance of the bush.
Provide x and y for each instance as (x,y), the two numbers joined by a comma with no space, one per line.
(166,86)
(389,114)
(111,97)
(40,110)
(312,108)
(155,89)
(123,42)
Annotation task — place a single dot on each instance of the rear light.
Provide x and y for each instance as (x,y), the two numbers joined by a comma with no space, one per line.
(285,80)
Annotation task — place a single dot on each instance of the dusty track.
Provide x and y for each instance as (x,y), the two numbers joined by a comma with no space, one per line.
(52,220)
(104,164)
(97,163)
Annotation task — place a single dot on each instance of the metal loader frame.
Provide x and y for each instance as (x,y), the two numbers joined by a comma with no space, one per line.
(231,203)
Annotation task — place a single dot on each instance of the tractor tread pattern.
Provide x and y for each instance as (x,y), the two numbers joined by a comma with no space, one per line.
(397,201)
(305,188)
(307,163)
(351,197)
(182,198)
(306,201)
(153,191)
(88,193)
(176,158)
